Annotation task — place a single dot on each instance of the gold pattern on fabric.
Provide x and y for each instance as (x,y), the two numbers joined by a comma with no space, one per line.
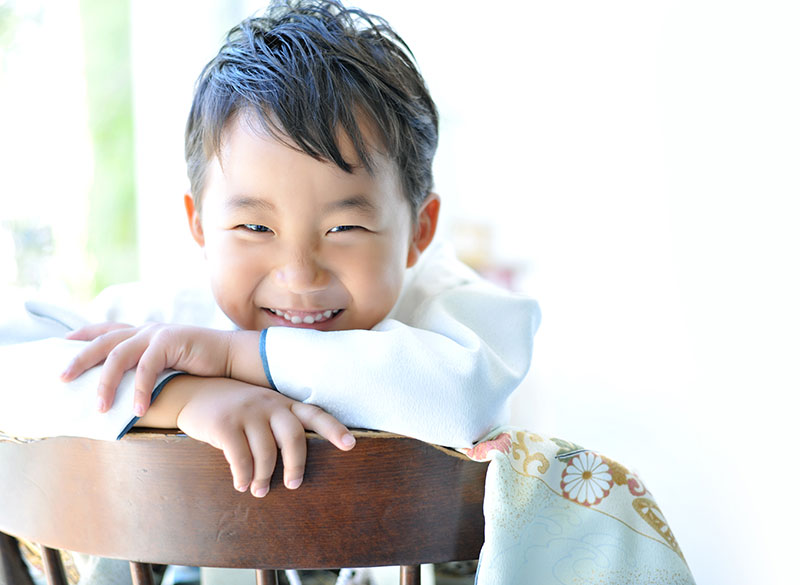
(619,473)
(520,450)
(651,513)
(532,436)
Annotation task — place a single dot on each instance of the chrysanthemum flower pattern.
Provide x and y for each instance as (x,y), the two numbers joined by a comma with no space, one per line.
(586,479)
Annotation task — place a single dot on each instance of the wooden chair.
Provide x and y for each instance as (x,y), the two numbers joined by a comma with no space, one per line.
(164,498)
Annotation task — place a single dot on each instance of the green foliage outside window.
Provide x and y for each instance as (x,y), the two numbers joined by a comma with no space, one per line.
(40,248)
(112,199)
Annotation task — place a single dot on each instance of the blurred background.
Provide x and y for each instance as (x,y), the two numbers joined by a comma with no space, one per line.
(632,165)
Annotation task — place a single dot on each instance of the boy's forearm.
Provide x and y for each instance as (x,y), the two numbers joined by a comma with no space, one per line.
(244,359)
(163,413)
(243,364)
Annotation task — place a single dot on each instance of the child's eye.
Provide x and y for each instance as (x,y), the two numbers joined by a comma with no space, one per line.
(343,228)
(254,227)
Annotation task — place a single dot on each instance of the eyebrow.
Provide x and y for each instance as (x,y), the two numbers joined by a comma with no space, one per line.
(247,202)
(360,203)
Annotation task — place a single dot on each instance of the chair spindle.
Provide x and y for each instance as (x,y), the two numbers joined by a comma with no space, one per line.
(142,573)
(53,569)
(410,575)
(266,577)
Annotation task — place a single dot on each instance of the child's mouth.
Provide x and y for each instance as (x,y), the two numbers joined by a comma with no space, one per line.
(305,317)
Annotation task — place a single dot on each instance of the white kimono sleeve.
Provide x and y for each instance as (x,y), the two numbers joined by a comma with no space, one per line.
(443,378)
(34,402)
(37,404)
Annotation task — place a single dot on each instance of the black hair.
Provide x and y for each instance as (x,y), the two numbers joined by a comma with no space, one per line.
(306,70)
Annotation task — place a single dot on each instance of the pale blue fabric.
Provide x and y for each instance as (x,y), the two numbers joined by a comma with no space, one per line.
(558,514)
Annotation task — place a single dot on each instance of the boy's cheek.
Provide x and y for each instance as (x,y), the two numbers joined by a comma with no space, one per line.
(232,296)
(372,303)
(226,254)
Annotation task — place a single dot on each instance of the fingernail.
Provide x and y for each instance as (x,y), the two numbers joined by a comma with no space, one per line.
(101,404)
(348,440)
(293,484)
(138,410)
(261,492)
(241,488)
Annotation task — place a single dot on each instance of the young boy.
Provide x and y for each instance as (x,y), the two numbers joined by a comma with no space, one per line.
(309,148)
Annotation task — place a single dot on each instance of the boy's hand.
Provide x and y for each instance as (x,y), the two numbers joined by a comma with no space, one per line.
(150,349)
(249,424)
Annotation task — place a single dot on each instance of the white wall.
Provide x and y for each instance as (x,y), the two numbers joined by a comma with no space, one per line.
(639,160)
(170,44)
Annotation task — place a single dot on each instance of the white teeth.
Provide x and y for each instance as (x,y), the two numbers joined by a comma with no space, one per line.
(307,319)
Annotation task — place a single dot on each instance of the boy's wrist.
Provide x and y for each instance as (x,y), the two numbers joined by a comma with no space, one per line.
(244,358)
(166,408)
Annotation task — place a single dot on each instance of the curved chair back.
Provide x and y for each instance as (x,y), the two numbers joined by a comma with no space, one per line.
(162,497)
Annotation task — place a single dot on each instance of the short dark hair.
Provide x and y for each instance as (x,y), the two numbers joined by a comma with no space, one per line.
(306,69)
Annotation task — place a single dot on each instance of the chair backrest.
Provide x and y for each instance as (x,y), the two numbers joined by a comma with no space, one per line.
(157,497)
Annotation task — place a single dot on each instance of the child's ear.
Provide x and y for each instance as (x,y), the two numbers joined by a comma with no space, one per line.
(193,215)
(424,228)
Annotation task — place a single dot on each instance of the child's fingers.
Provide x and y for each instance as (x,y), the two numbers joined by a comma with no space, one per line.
(94,353)
(326,425)
(152,362)
(141,400)
(291,439)
(95,330)
(123,357)
(236,449)
(265,456)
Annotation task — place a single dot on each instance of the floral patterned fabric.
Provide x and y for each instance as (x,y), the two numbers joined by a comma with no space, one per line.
(560,514)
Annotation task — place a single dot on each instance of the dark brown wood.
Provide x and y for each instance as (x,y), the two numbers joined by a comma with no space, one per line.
(266,577)
(166,498)
(53,569)
(12,568)
(142,573)
(410,575)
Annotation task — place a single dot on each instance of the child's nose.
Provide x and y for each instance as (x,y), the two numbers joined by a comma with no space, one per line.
(301,273)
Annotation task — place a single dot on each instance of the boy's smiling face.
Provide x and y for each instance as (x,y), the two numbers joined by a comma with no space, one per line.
(294,241)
